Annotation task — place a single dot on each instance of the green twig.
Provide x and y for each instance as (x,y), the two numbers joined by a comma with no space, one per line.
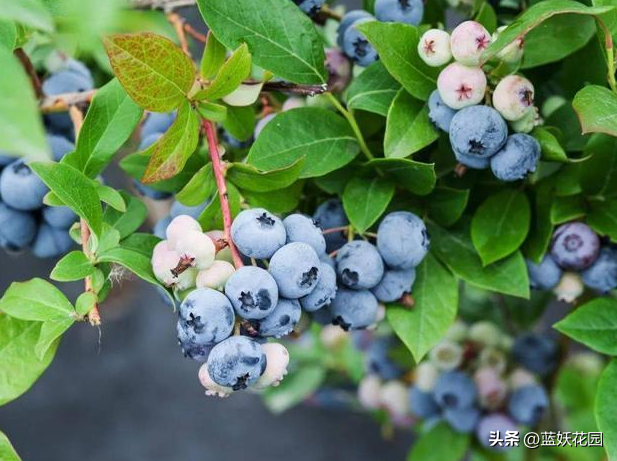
(354,125)
(610,55)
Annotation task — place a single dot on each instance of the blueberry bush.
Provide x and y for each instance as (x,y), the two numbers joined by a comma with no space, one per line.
(409,208)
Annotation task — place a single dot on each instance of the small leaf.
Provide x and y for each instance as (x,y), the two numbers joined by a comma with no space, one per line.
(141,243)
(73,266)
(111,197)
(541,228)
(446,206)
(431,447)
(240,122)
(213,57)
(36,300)
(373,90)
(596,108)
(7,452)
(598,174)
(245,95)
(365,200)
(30,13)
(201,187)
(212,111)
(551,149)
(250,178)
(85,303)
(602,217)
(134,261)
(110,238)
(295,388)
(606,401)
(566,209)
(128,222)
(235,70)
(416,177)
(277,201)
(50,332)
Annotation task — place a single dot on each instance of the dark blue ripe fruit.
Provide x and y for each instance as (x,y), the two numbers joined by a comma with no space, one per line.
(454,390)
(237,362)
(544,276)
(252,292)
(331,215)
(51,242)
(20,188)
(478,131)
(281,321)
(402,240)
(310,7)
(602,275)
(440,114)
(353,309)
(536,353)
(17,228)
(575,246)
(296,269)
(349,18)
(257,233)
(406,11)
(207,316)
(517,158)
(527,404)
(359,265)
(357,47)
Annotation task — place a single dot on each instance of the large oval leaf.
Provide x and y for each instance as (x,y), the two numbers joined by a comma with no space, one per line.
(365,200)
(596,108)
(416,177)
(606,402)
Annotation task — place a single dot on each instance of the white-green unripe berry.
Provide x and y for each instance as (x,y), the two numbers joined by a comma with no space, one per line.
(434,47)
(513,52)
(369,392)
(446,355)
(425,376)
(569,288)
(513,97)
(215,276)
(211,387)
(277,359)
(485,333)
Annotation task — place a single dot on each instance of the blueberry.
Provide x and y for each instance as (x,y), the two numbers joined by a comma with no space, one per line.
(478,131)
(156,124)
(310,7)
(407,11)
(5,159)
(454,390)
(160,228)
(237,362)
(472,161)
(462,420)
(60,146)
(60,217)
(51,242)
(327,260)
(194,212)
(330,215)
(207,315)
(575,246)
(440,114)
(282,320)
(258,233)
(20,188)
(324,292)
(359,265)
(536,353)
(602,275)
(322,316)
(348,19)
(461,86)
(378,359)
(353,309)
(79,68)
(517,159)
(357,47)
(422,404)
(402,240)
(252,292)
(147,141)
(301,228)
(17,228)
(468,41)
(190,347)
(434,47)
(295,267)
(65,81)
(496,423)
(394,284)
(527,404)
(544,276)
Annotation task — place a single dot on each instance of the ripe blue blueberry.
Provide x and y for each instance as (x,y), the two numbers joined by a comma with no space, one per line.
(301,228)
(328,261)
(478,131)
(394,284)
(282,320)
(527,404)
(60,217)
(324,292)
(258,233)
(51,242)
(20,188)
(378,360)
(310,7)
(472,161)
(353,309)
(357,47)
(517,158)
(544,276)
(322,316)
(492,424)
(194,212)
(348,19)
(295,267)
(252,292)
(402,240)
(575,246)
(5,159)
(359,265)
(190,347)
(60,146)
(237,362)
(330,215)
(208,315)
(156,124)
(147,141)
(407,11)
(422,404)
(66,81)
(17,228)
(454,390)
(602,275)
(536,353)
(462,420)
(440,114)
(160,228)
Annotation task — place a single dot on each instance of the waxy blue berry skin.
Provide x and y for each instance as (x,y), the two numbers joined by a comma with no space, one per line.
(394,284)
(544,276)
(378,360)
(353,309)
(253,292)
(402,240)
(21,188)
(527,404)
(310,7)
(348,19)
(282,320)
(66,81)
(472,161)
(493,423)
(156,124)
(51,242)
(60,146)
(330,215)
(357,47)
(322,316)
(536,353)
(194,212)
(60,217)
(257,233)
(454,390)
(208,315)
(422,404)
(406,11)
(296,269)
(602,275)
(301,228)
(236,362)
(359,265)
(439,113)
(575,246)
(187,342)
(5,159)
(462,420)
(324,292)
(517,158)
(17,228)
(478,131)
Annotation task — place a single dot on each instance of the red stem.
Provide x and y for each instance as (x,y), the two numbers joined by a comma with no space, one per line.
(217,168)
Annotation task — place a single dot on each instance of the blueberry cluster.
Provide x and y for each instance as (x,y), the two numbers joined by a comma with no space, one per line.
(577,250)
(479,133)
(476,380)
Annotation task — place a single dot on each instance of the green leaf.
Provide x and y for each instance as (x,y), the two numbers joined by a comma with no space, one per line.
(408,129)
(598,174)
(212,111)
(21,130)
(366,199)
(446,206)
(500,225)
(596,108)
(295,388)
(373,90)
(541,228)
(325,139)
(249,178)
(8,34)
(593,324)
(551,149)
(602,217)
(29,13)
(416,177)
(73,266)
(397,45)
(211,217)
(85,303)
(606,401)
(128,222)
(155,73)
(201,187)
(141,243)
(134,261)
(486,16)
(213,57)
(111,197)
(110,121)
(7,452)
(36,300)
(441,443)
(19,367)
(110,238)
(50,332)
(240,122)
(170,153)
(277,201)
(435,292)
(76,191)
(231,74)
(454,248)
(280,37)
(566,209)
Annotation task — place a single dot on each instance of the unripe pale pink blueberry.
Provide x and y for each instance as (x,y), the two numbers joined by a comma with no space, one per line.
(468,41)
(215,276)
(434,47)
(526,124)
(211,387)
(520,378)
(393,397)
(513,52)
(277,359)
(369,392)
(447,355)
(164,261)
(197,247)
(492,389)
(457,332)
(461,86)
(339,70)
(425,376)
(569,288)
(260,125)
(293,103)
(513,97)
(179,226)
(492,357)
(333,337)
